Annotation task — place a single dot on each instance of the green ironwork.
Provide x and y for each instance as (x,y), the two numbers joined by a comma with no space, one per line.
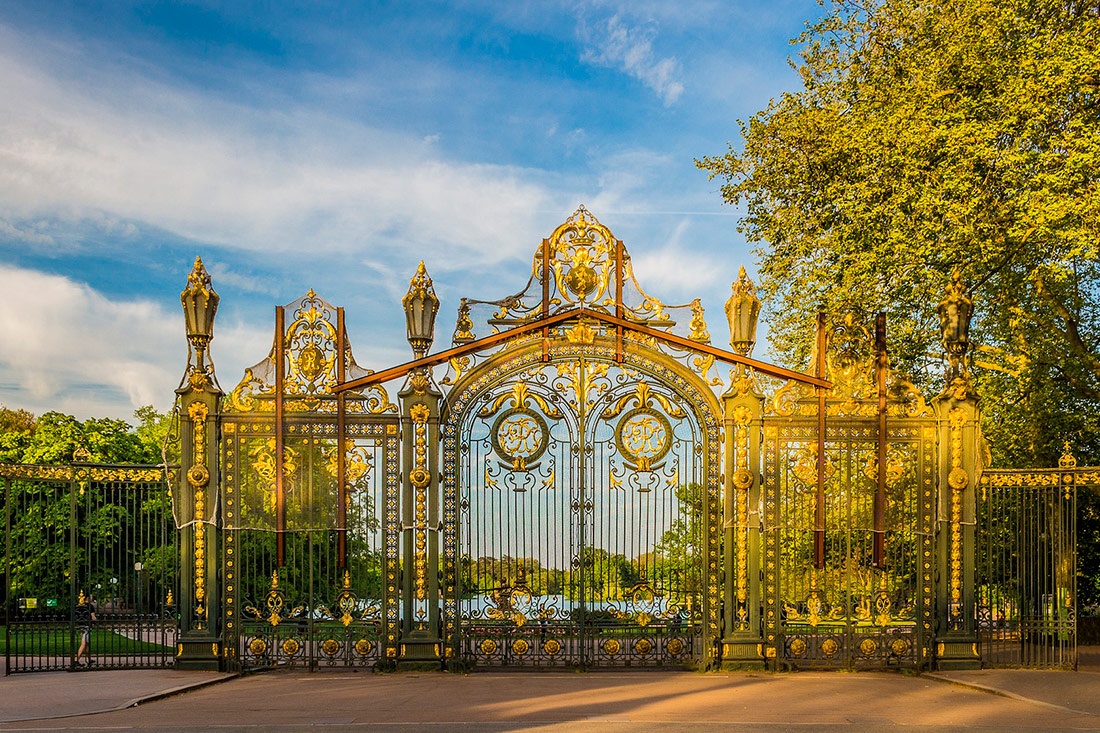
(89,538)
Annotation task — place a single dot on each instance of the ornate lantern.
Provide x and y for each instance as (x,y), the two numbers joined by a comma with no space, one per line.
(955,311)
(200,303)
(742,310)
(421,305)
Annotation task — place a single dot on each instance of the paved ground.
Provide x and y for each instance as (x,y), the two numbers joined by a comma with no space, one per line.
(607,702)
(58,694)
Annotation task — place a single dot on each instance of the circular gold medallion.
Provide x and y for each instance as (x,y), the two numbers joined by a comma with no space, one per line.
(867,647)
(612,646)
(291,647)
(829,647)
(363,647)
(330,646)
(520,646)
(552,647)
(488,647)
(643,646)
(675,647)
(899,647)
(257,647)
(798,647)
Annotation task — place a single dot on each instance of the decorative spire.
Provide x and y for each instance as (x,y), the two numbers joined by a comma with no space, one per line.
(955,311)
(421,305)
(200,304)
(742,310)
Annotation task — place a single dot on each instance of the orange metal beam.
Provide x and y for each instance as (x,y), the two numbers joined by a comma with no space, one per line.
(729,357)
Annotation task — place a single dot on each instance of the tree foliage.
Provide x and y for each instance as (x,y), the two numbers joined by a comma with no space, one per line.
(929,136)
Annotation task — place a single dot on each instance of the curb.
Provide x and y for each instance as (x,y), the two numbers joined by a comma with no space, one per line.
(1004,693)
(132,703)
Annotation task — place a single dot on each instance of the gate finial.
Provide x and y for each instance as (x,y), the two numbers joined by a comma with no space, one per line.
(742,310)
(420,305)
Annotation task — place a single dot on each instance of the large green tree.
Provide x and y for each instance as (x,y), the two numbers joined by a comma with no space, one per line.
(930,136)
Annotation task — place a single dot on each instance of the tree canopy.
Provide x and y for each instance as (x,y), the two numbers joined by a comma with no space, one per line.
(929,136)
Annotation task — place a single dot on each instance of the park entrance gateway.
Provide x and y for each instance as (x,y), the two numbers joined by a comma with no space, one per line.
(581,480)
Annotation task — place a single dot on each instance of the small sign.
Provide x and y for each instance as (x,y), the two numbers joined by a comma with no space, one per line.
(51,603)
(26,603)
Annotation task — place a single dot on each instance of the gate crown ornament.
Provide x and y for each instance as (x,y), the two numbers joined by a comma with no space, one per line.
(742,310)
(421,305)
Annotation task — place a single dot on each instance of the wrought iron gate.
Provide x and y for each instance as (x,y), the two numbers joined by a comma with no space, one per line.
(832,598)
(83,539)
(586,525)
(309,542)
(1026,565)
(584,517)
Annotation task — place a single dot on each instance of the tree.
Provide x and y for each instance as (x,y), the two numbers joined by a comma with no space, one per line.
(929,137)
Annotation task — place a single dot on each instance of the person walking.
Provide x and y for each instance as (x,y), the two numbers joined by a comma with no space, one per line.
(84,616)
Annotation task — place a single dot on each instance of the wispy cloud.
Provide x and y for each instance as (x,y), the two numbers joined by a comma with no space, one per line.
(614,43)
(65,346)
(78,143)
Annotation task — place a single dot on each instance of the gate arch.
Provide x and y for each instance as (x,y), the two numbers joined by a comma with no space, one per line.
(581,508)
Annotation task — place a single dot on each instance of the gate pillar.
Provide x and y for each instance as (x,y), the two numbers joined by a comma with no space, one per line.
(421,646)
(959,471)
(199,641)
(420,639)
(743,409)
(743,406)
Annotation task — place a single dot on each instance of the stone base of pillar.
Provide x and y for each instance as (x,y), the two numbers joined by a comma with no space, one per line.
(420,655)
(962,653)
(198,653)
(740,653)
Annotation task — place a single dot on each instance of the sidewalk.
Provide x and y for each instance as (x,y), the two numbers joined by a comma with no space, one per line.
(1025,700)
(43,695)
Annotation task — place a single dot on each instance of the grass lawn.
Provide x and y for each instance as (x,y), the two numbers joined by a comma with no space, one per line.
(56,641)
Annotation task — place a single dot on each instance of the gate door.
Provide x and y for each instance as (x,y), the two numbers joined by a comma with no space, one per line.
(583,517)
(831,598)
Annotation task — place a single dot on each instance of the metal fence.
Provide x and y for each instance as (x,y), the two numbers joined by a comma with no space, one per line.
(91,567)
(1026,568)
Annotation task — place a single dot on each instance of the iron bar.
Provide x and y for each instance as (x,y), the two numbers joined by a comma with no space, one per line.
(341,446)
(819,501)
(545,309)
(280,447)
(879,549)
(619,300)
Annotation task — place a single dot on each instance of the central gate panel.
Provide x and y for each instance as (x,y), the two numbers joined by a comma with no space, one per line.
(583,529)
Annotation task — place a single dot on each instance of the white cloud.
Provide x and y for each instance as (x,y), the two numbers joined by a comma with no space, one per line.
(617,45)
(83,142)
(67,347)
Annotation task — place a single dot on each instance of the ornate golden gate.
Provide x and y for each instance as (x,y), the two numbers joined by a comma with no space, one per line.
(583,489)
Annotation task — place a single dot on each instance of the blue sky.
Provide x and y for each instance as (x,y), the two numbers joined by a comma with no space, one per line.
(334,146)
